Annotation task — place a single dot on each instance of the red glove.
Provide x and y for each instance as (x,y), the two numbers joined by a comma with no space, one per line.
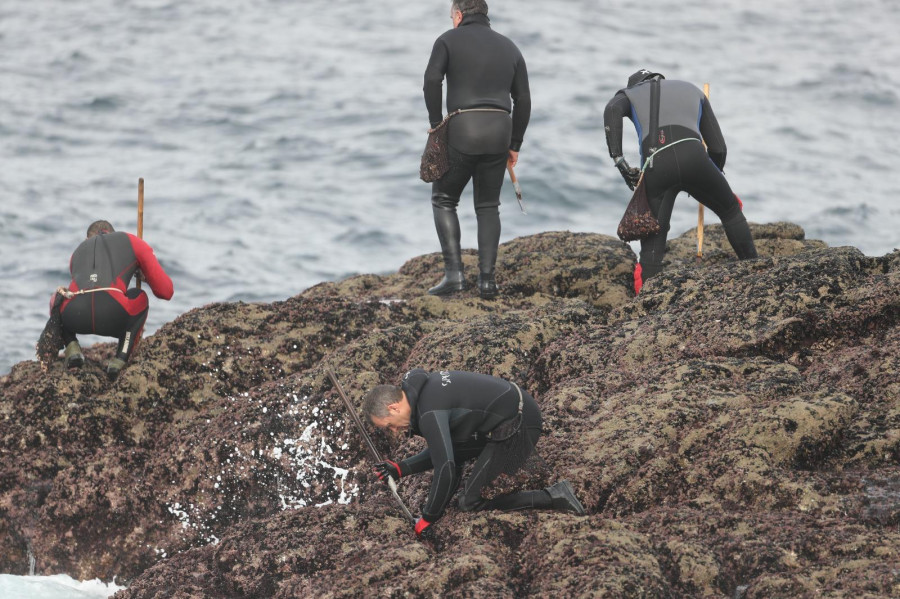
(422,529)
(638,278)
(387,469)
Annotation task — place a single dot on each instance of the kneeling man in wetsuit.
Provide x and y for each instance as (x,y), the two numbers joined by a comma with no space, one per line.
(464,416)
(102,267)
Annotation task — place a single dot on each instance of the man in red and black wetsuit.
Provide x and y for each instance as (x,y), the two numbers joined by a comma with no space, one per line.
(106,262)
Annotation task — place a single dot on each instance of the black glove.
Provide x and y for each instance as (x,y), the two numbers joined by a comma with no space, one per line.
(631,175)
(387,469)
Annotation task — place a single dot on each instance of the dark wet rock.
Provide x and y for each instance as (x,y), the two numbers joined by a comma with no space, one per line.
(772,239)
(530,271)
(733,431)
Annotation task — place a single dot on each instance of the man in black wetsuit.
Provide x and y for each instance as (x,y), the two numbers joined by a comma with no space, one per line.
(464,416)
(102,266)
(484,70)
(672,119)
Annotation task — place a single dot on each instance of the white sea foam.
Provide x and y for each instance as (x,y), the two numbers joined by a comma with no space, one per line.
(288,463)
(59,586)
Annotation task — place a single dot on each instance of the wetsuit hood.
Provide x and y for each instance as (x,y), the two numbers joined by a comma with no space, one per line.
(642,75)
(412,384)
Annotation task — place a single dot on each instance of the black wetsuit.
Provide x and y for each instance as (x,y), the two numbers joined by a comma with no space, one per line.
(484,70)
(684,114)
(455,412)
(109,260)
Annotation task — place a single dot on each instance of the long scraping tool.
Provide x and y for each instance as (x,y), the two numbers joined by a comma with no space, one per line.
(515,182)
(374,451)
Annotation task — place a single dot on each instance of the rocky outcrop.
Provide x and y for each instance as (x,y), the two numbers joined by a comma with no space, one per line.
(733,431)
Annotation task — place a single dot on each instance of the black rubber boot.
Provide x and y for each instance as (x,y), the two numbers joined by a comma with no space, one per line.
(73,356)
(487,286)
(488,243)
(114,367)
(447,224)
(564,499)
(454,280)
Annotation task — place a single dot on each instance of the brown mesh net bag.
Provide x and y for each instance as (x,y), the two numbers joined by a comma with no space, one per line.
(435,158)
(638,221)
(51,339)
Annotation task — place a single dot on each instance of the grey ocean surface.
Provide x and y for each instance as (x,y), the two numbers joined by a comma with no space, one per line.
(279,140)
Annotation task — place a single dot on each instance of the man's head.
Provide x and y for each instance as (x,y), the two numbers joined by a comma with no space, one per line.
(642,75)
(99,227)
(469,7)
(386,406)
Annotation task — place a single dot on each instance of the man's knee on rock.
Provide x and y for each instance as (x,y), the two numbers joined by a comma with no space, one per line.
(471,504)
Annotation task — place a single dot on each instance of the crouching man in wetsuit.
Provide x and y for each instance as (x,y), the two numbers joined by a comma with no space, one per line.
(484,70)
(464,416)
(673,119)
(106,261)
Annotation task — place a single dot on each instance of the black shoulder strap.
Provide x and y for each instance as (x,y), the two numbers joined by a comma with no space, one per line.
(654,115)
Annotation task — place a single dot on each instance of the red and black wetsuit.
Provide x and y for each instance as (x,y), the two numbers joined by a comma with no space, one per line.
(110,260)
(684,114)
(454,411)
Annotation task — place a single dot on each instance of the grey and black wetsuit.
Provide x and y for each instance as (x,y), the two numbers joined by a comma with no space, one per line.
(483,70)
(455,411)
(684,114)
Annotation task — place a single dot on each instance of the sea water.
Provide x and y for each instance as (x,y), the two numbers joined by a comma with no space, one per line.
(279,140)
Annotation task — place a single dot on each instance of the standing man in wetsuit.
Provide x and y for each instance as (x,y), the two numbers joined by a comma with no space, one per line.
(673,119)
(484,70)
(464,416)
(106,261)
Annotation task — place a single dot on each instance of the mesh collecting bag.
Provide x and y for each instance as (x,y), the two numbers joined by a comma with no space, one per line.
(638,221)
(435,158)
(51,340)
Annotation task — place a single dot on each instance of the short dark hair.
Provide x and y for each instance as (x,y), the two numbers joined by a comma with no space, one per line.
(376,402)
(471,7)
(99,226)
